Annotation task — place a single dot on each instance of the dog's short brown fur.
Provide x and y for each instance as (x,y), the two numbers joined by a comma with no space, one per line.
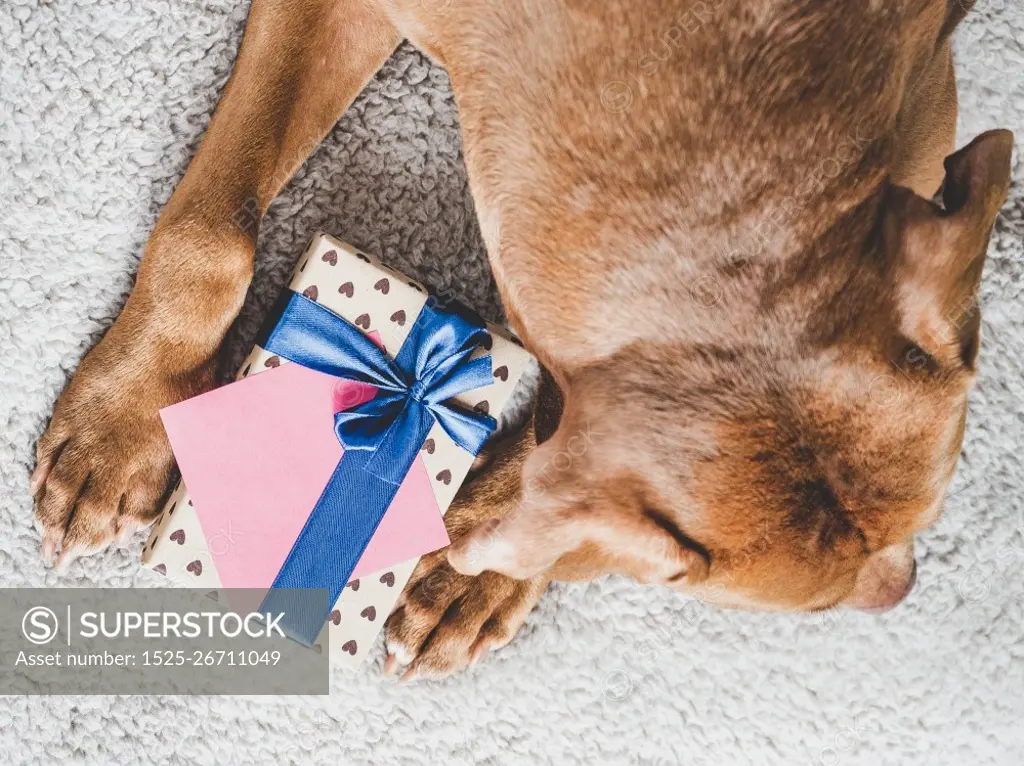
(763,329)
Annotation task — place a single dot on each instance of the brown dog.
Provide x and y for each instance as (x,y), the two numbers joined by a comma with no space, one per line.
(711,223)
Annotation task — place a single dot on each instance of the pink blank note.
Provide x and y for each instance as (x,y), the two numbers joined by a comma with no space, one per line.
(256,455)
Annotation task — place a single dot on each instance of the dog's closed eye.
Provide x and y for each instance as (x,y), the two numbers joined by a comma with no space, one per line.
(665,523)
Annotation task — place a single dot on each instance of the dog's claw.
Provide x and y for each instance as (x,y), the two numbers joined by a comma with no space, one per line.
(38,477)
(51,538)
(408,676)
(479,652)
(65,559)
(126,532)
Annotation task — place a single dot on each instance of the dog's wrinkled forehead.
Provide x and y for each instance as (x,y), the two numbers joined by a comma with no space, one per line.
(831,468)
(817,441)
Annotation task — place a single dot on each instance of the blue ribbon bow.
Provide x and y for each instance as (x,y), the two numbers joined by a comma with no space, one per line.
(381,437)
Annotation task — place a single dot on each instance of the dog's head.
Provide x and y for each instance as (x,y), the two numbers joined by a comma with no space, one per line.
(790,468)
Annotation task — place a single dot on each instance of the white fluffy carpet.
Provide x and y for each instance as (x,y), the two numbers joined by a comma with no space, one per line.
(102,102)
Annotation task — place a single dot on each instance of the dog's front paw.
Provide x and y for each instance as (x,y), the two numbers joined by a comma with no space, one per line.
(446,621)
(104,462)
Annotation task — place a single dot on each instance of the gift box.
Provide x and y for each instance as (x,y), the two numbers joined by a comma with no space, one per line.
(375,398)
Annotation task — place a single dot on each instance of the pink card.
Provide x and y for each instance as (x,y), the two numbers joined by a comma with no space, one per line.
(256,455)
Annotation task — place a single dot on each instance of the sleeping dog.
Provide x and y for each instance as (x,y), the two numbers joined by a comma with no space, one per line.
(734,233)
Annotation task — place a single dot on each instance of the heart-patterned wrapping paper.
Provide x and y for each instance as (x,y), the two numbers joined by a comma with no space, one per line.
(376,300)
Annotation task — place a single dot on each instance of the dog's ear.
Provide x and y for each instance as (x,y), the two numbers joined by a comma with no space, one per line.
(940,251)
(567,507)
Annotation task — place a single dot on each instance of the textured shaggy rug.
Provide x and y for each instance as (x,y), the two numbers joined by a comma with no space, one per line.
(102,102)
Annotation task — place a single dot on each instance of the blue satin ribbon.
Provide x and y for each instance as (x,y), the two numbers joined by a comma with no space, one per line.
(381,438)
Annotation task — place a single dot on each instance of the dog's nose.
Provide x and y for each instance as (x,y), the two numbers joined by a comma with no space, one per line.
(890,594)
(888,600)
(884,580)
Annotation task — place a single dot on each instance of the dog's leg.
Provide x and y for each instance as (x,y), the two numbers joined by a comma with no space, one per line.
(445,620)
(104,461)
